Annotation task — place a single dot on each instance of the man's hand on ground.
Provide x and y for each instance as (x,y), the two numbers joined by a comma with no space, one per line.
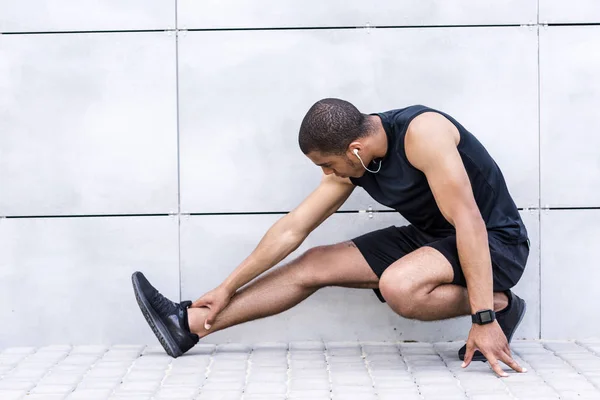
(215,300)
(491,342)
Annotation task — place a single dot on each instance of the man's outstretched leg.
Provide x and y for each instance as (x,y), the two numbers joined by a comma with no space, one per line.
(179,328)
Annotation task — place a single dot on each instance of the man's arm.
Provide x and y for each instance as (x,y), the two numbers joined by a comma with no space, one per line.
(288,233)
(431,146)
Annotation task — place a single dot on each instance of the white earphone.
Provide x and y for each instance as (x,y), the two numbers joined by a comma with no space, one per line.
(355,151)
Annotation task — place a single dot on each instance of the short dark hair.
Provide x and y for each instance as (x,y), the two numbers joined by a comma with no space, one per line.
(330,125)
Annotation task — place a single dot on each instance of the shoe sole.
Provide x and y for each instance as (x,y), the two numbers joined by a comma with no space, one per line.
(482,357)
(159,329)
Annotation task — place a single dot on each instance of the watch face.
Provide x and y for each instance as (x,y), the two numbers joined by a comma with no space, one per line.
(486,316)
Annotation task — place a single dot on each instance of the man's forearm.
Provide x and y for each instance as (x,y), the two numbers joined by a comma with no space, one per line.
(474,254)
(277,243)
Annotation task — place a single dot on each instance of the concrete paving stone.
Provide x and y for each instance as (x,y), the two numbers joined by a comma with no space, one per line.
(61,379)
(139,348)
(106,373)
(565,384)
(200,349)
(176,393)
(563,347)
(144,375)
(4,369)
(89,349)
(80,359)
(120,356)
(227,375)
(355,396)
(11,360)
(137,387)
(385,357)
(449,396)
(387,366)
(397,394)
(309,374)
(53,389)
(274,369)
(270,396)
(45,397)
(309,393)
(24,350)
(392,383)
(441,390)
(26,374)
(12,394)
(266,387)
(276,362)
(53,348)
(191,362)
(306,345)
(351,380)
(223,385)
(347,369)
(267,377)
(304,364)
(483,385)
(184,380)
(341,390)
(436,380)
(89,394)
(229,365)
(233,348)
(341,353)
(309,356)
(309,384)
(491,396)
(223,395)
(270,346)
(99,383)
(532,390)
(151,363)
(579,394)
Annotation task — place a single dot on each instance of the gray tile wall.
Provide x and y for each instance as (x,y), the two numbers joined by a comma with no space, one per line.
(116,125)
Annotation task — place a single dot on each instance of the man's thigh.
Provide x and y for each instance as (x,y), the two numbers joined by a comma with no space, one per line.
(508,261)
(384,247)
(339,264)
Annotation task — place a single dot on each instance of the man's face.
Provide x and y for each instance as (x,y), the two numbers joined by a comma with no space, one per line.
(340,165)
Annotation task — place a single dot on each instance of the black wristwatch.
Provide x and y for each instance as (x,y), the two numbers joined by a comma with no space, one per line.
(483,317)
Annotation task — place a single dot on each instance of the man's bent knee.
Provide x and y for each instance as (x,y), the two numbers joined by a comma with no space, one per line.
(401,293)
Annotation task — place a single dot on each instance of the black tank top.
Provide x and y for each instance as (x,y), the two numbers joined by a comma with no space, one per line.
(405,189)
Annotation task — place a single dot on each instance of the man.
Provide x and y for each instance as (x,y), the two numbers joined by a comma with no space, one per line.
(464,249)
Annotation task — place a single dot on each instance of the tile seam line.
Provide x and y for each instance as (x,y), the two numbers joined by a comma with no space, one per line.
(281,28)
(178,151)
(232,213)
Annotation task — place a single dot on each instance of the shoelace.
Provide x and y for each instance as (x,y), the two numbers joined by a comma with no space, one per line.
(161,303)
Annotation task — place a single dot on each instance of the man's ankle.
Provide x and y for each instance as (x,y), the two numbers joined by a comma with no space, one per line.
(196,318)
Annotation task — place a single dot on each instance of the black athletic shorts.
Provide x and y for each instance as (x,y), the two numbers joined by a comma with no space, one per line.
(383,247)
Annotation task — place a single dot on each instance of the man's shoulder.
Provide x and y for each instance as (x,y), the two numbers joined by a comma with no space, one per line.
(404,115)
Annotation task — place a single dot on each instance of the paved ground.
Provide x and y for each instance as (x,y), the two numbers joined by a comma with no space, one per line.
(300,370)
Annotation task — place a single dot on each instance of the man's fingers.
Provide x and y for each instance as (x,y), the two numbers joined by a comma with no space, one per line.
(201,302)
(468,355)
(210,319)
(495,365)
(508,360)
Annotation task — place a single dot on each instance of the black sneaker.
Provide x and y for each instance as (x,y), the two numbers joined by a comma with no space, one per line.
(167,319)
(508,319)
